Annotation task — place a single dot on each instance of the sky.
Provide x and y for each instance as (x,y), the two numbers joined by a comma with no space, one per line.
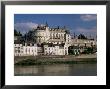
(75,23)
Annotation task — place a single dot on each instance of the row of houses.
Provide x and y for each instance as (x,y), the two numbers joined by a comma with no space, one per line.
(32,49)
(43,49)
(25,50)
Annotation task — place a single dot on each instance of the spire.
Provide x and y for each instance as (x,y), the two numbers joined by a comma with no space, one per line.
(46,24)
(64,27)
(58,27)
(74,35)
(90,36)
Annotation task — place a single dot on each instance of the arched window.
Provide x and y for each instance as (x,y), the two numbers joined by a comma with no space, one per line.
(50,36)
(61,36)
(53,36)
(57,35)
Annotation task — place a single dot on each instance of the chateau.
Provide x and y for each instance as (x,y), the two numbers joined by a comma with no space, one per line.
(52,35)
(50,41)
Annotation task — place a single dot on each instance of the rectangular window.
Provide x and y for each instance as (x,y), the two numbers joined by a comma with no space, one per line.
(18,51)
(26,50)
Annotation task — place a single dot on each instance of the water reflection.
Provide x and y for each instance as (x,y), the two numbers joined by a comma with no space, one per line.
(57,70)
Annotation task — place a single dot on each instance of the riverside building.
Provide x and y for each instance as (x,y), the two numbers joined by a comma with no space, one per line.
(51,41)
(25,49)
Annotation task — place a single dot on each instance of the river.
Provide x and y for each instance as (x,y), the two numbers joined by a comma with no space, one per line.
(88,69)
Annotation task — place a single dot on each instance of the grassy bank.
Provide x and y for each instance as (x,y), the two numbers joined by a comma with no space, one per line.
(63,59)
(48,61)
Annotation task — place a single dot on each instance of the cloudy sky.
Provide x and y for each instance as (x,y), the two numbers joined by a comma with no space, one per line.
(76,23)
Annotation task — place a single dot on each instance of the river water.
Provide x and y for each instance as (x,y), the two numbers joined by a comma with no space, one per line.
(89,69)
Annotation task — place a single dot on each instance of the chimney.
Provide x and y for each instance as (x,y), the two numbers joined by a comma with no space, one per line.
(25,44)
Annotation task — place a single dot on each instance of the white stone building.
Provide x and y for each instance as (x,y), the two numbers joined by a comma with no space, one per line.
(51,41)
(55,49)
(68,39)
(83,42)
(18,49)
(25,50)
(52,35)
(30,50)
(42,34)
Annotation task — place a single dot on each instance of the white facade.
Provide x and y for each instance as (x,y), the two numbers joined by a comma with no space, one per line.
(40,50)
(68,39)
(57,35)
(66,49)
(51,35)
(18,49)
(55,50)
(49,50)
(83,42)
(25,50)
(44,34)
(29,51)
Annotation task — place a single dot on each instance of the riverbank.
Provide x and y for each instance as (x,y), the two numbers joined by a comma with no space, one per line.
(44,59)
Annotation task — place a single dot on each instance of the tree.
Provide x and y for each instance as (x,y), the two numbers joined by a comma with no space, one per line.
(81,36)
(30,36)
(88,50)
(19,33)
(16,33)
